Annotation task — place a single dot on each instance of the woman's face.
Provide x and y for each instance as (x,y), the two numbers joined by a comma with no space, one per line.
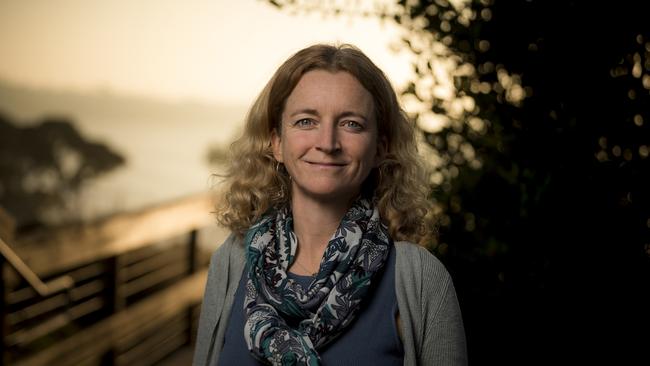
(329,136)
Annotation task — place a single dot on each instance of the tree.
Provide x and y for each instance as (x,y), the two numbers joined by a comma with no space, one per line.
(541,166)
(43,166)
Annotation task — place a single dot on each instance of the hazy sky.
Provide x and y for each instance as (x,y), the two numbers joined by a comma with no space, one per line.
(212,50)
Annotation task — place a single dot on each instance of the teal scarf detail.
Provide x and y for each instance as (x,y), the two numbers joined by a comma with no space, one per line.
(286,324)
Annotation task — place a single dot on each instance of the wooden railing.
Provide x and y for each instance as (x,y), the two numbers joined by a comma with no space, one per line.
(132,291)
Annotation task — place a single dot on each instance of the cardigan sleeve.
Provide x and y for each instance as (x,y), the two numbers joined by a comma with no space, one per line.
(213,303)
(444,333)
(431,322)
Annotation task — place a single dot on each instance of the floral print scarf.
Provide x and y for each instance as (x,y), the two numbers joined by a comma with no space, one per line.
(285,323)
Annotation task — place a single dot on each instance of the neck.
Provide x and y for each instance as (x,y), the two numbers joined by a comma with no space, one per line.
(314,223)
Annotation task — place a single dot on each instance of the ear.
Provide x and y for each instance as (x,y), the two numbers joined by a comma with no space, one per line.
(382,150)
(276,145)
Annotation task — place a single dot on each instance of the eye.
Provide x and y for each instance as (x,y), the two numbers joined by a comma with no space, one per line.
(353,125)
(305,122)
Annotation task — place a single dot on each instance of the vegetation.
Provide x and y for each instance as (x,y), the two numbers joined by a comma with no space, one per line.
(44,165)
(539,150)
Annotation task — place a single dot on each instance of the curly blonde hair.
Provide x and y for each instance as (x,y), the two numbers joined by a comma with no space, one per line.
(255,182)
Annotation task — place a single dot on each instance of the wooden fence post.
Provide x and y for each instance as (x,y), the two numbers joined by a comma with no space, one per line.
(3,314)
(193,254)
(115,300)
(7,228)
(193,258)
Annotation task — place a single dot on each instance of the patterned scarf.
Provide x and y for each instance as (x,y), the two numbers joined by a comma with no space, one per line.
(285,323)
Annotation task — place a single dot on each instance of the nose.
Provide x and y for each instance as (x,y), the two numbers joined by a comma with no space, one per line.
(328,139)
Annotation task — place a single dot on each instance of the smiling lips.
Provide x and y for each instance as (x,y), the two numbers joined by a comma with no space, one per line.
(325,164)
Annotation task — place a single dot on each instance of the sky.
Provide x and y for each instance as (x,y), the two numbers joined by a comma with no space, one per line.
(211,51)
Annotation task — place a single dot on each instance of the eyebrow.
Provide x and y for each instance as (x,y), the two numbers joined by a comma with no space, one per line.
(342,115)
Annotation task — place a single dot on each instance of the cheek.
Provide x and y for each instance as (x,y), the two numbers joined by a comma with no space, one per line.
(297,142)
(369,153)
(292,149)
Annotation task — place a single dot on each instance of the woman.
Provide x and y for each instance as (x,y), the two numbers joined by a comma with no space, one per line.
(325,197)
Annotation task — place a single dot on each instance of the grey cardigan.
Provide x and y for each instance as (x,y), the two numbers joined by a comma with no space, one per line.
(431,324)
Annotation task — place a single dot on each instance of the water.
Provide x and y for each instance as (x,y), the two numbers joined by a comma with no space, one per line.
(165,144)
(164,161)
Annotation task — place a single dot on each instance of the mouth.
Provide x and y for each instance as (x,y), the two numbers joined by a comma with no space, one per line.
(325,164)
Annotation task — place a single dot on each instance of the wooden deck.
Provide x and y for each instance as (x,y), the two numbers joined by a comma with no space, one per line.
(180,357)
(131,295)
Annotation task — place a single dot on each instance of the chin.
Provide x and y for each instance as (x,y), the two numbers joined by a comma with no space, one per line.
(329,193)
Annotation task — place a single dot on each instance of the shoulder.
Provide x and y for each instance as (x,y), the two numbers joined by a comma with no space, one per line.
(226,263)
(226,266)
(420,276)
(417,261)
(231,250)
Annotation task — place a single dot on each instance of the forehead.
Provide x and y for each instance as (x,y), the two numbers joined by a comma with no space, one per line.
(325,90)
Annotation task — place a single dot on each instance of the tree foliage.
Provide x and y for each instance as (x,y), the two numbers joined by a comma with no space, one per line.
(537,114)
(44,165)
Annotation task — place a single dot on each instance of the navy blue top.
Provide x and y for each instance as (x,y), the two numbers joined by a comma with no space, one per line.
(371,339)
